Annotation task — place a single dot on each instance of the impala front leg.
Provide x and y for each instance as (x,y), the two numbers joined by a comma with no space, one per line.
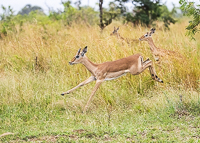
(90,79)
(98,83)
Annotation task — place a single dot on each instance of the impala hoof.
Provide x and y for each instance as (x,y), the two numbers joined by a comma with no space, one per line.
(62,94)
(160,80)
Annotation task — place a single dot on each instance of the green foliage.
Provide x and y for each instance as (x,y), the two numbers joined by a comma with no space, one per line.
(28,8)
(167,16)
(71,14)
(189,9)
(146,12)
(7,23)
(121,6)
(35,15)
(107,15)
(110,14)
(53,15)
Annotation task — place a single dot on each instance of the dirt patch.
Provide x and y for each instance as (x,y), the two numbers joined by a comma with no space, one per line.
(79,131)
(5,134)
(44,138)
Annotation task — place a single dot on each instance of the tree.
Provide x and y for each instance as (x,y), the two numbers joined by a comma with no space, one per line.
(189,9)
(106,16)
(28,8)
(101,14)
(78,4)
(121,6)
(146,12)
(167,16)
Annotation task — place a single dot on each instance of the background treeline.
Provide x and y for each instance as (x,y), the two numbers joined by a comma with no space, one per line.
(145,12)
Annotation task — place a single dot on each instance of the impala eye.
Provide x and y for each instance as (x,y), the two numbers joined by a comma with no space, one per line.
(77,56)
(145,35)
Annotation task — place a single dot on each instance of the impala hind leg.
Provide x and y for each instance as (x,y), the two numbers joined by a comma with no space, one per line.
(154,75)
(90,79)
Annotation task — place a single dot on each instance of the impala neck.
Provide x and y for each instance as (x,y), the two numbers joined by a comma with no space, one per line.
(152,45)
(119,36)
(89,65)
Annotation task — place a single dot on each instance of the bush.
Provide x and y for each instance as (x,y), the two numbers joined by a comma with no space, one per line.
(7,23)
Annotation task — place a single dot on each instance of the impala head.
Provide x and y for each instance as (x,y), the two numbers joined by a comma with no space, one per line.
(115,32)
(147,36)
(79,56)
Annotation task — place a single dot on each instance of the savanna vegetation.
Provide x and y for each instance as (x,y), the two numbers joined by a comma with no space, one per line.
(34,53)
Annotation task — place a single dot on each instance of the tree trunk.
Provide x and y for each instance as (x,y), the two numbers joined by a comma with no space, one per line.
(101,14)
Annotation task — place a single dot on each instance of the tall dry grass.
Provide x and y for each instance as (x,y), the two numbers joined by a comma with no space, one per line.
(34,71)
(34,67)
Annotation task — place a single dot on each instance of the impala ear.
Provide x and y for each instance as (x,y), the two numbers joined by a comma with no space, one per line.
(84,51)
(152,31)
(78,51)
(117,28)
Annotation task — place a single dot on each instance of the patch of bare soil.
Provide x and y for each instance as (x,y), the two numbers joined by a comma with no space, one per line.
(5,134)
(74,136)
(44,138)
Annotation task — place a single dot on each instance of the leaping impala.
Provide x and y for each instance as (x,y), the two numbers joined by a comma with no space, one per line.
(111,70)
(127,40)
(158,52)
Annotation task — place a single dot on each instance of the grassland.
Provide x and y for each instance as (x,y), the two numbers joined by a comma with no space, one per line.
(34,71)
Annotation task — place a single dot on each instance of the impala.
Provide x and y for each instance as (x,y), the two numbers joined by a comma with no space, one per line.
(127,40)
(111,70)
(158,52)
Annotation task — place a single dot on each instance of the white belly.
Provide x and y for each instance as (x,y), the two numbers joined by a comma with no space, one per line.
(114,77)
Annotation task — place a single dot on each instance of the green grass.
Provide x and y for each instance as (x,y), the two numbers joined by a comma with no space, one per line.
(125,125)
(42,114)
